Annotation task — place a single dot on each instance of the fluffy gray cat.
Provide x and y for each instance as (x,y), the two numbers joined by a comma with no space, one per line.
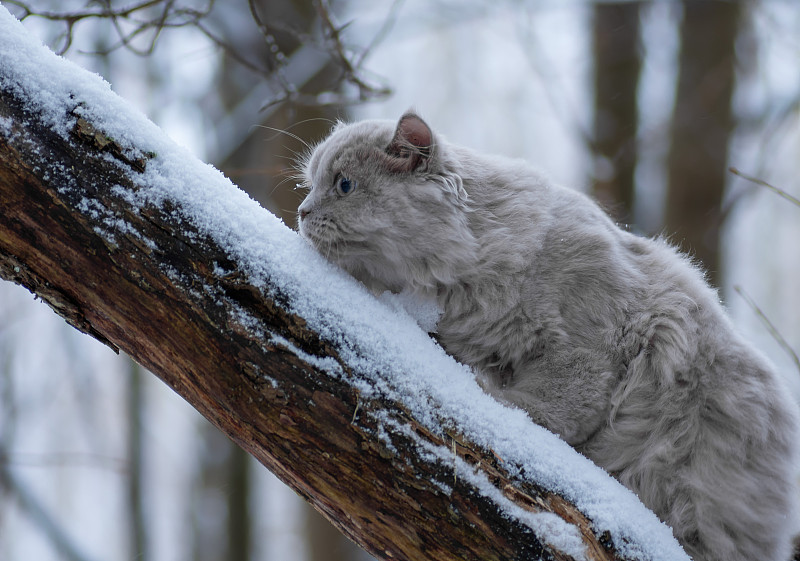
(612,341)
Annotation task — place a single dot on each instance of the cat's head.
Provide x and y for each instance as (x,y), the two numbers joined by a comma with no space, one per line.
(387,204)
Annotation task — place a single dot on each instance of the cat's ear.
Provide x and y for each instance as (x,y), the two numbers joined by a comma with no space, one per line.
(412,143)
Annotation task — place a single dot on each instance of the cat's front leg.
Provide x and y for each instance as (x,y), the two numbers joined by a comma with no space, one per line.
(566,392)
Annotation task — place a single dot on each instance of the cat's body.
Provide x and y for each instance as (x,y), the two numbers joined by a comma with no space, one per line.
(610,340)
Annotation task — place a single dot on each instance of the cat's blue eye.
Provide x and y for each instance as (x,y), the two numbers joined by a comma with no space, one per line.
(345,185)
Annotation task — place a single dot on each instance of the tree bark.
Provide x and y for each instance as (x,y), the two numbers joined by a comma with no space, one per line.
(168,307)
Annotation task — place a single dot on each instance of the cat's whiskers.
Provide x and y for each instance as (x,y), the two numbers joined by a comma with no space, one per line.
(287,133)
(338,254)
(293,190)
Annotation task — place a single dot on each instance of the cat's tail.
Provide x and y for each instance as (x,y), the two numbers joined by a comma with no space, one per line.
(711,449)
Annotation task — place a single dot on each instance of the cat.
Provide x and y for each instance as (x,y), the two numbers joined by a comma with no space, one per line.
(613,341)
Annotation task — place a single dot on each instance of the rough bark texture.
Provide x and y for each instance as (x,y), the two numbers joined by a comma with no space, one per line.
(168,309)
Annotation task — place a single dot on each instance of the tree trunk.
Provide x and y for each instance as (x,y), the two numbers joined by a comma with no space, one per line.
(323,542)
(701,126)
(617,65)
(170,306)
(136,511)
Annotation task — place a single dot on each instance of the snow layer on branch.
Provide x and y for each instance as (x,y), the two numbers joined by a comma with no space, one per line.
(380,342)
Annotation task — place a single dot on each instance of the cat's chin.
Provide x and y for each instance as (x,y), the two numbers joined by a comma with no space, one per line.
(336,254)
(324,245)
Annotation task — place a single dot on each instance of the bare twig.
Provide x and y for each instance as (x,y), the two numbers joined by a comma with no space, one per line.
(228,49)
(276,56)
(340,54)
(383,31)
(105,11)
(135,14)
(139,26)
(770,327)
(763,183)
(38,513)
(67,460)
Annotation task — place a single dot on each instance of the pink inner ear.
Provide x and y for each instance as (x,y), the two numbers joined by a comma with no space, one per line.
(413,130)
(411,144)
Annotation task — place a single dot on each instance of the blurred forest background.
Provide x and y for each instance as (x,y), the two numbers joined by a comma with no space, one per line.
(646,104)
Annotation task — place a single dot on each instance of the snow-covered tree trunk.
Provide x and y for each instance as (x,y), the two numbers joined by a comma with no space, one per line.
(307,426)
(134,243)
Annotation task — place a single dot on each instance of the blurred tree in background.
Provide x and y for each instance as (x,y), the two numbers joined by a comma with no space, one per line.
(702,124)
(616,45)
(247,84)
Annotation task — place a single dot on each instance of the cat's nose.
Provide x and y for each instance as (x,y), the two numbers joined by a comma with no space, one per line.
(303,212)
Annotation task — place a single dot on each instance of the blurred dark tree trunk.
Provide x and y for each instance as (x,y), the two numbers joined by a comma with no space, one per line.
(207,507)
(701,127)
(326,543)
(617,65)
(136,486)
(239,522)
(221,522)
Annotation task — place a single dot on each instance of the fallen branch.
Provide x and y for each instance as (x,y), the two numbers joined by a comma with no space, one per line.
(134,243)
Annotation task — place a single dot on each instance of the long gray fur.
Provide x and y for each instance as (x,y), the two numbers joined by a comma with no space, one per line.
(613,341)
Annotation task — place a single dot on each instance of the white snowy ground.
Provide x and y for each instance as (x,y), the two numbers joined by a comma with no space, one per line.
(378,340)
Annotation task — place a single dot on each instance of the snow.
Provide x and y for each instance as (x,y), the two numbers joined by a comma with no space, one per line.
(382,343)
(423,309)
(549,527)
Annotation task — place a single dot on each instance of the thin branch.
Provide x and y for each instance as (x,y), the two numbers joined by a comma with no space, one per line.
(770,327)
(277,57)
(763,183)
(68,460)
(340,55)
(38,513)
(134,22)
(383,32)
(228,49)
(106,11)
